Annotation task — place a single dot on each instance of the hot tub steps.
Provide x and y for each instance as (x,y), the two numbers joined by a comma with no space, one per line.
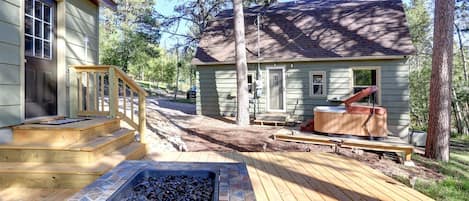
(63,135)
(65,175)
(82,152)
(69,155)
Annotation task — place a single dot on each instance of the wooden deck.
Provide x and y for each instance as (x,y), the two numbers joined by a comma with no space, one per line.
(279,176)
(303,176)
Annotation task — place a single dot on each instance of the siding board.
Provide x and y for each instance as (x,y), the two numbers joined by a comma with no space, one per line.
(11,98)
(9,54)
(9,34)
(10,12)
(10,115)
(9,74)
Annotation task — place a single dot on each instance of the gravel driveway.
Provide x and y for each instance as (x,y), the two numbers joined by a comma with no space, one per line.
(176,125)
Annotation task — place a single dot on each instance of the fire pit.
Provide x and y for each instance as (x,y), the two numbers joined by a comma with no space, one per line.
(169,185)
(151,180)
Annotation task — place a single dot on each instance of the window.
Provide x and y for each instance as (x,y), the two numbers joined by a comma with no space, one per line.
(38,29)
(250,86)
(317,82)
(364,78)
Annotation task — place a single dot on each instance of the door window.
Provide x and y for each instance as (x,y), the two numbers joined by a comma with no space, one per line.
(38,29)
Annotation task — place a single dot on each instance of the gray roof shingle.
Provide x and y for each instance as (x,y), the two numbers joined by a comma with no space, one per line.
(311,29)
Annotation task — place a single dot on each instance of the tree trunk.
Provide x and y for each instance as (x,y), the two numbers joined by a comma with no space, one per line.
(242,117)
(459,116)
(461,51)
(439,122)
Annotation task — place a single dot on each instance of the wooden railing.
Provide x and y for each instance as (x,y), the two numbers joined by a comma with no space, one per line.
(104,90)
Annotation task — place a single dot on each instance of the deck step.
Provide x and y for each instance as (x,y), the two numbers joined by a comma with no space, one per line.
(86,152)
(63,135)
(61,175)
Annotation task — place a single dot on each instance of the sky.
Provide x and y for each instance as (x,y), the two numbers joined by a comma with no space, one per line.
(166,7)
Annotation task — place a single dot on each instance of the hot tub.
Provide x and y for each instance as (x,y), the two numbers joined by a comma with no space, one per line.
(352,118)
(360,121)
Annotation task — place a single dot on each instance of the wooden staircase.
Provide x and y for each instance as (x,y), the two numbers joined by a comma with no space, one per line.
(66,156)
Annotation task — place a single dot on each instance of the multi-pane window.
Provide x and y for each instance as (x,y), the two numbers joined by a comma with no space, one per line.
(317,81)
(38,29)
(364,78)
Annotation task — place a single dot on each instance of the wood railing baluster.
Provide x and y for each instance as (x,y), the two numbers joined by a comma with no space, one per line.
(80,92)
(95,91)
(87,91)
(102,92)
(141,117)
(124,95)
(113,93)
(131,105)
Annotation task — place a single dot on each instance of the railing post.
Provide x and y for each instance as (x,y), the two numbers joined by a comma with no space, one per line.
(73,93)
(141,117)
(113,93)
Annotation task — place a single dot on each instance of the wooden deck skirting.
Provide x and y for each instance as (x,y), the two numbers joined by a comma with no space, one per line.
(304,176)
(407,150)
(266,122)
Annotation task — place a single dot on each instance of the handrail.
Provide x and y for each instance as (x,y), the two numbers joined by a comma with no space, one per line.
(130,82)
(88,92)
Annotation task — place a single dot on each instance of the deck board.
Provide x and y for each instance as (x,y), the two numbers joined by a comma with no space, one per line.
(27,194)
(277,176)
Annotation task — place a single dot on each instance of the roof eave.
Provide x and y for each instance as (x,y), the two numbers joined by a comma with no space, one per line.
(387,57)
(111,4)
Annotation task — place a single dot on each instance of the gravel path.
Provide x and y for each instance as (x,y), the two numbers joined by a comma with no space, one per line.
(185,131)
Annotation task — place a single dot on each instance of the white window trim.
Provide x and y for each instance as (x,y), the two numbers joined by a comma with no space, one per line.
(324,84)
(252,83)
(284,88)
(378,78)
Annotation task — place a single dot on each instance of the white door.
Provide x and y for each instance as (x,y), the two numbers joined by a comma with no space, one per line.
(276,92)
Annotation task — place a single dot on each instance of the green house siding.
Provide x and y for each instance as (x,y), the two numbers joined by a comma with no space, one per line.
(217,89)
(10,93)
(81,24)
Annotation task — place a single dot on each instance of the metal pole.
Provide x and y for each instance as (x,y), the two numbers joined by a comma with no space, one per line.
(177,71)
(256,98)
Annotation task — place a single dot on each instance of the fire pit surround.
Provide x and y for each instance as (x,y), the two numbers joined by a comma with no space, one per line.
(151,180)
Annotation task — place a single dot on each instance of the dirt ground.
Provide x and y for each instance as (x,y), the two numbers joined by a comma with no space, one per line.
(175,127)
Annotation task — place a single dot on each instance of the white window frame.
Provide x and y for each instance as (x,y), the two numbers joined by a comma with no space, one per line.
(324,83)
(284,88)
(33,35)
(378,79)
(252,83)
